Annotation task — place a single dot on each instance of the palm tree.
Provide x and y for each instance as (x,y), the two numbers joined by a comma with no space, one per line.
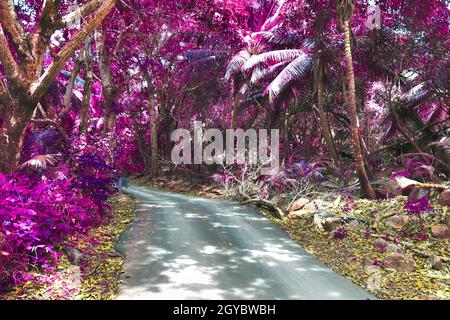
(345,11)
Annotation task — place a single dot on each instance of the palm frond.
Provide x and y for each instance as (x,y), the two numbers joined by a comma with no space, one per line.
(295,71)
(236,63)
(41,161)
(275,56)
(416,95)
(284,37)
(270,72)
(274,19)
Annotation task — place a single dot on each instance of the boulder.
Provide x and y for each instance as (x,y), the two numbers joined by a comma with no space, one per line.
(298,204)
(441,232)
(400,262)
(436,263)
(444,198)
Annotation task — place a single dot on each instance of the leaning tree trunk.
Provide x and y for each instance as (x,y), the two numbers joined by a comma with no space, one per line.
(71,84)
(324,123)
(366,187)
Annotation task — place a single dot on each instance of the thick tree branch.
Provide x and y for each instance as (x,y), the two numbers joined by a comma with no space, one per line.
(40,87)
(12,27)
(12,69)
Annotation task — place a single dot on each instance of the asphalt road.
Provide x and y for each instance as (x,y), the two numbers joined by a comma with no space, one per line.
(181,247)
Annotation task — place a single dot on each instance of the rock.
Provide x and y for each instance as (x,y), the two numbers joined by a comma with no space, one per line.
(397,222)
(399,262)
(298,204)
(444,198)
(314,206)
(441,232)
(436,263)
(298,214)
(380,244)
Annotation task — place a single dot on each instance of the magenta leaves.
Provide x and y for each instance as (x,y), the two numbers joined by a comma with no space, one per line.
(37,212)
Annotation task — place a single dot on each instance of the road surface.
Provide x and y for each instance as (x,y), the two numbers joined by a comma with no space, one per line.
(180,247)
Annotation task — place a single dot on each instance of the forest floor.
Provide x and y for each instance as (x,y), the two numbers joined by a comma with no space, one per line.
(90,267)
(361,255)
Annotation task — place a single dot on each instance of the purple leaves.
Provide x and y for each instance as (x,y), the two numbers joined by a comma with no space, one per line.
(418,206)
(340,233)
(38,212)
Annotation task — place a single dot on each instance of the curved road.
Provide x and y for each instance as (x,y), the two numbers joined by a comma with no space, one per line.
(180,247)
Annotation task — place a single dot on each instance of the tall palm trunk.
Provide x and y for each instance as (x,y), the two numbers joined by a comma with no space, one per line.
(366,187)
(324,123)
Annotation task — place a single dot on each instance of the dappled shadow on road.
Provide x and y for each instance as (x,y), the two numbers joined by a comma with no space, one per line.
(182,247)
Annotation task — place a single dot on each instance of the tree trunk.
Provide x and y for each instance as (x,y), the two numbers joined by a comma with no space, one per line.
(366,187)
(286,134)
(71,83)
(324,123)
(154,136)
(104,66)
(27,82)
(11,140)
(234,113)
(87,91)
(140,144)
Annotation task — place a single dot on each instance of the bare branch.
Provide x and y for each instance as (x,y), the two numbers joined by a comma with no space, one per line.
(40,87)
(12,70)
